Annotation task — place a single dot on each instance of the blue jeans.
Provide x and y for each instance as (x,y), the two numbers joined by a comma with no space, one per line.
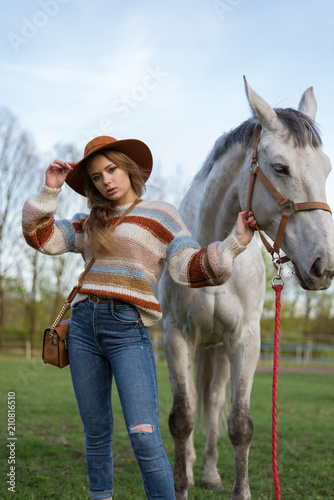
(106,341)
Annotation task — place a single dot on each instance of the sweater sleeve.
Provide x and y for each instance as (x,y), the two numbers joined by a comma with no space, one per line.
(42,232)
(196,267)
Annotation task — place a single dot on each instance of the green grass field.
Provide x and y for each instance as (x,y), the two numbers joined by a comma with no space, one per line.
(50,452)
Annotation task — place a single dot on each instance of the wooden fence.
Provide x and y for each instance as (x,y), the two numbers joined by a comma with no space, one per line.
(297,352)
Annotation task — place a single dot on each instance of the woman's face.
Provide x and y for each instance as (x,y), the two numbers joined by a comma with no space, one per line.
(111,181)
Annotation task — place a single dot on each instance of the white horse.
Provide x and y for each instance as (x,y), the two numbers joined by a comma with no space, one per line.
(227,317)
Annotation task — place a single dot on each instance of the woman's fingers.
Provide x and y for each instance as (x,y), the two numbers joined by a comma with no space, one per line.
(56,173)
(61,166)
(250,219)
(245,227)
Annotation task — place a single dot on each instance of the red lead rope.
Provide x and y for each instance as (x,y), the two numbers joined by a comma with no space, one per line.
(278,290)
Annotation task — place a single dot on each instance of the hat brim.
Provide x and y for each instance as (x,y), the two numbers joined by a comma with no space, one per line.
(135,149)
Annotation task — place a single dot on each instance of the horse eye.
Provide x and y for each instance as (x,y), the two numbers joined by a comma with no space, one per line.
(280,169)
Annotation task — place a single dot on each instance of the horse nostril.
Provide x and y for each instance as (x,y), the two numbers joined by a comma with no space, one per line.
(317,270)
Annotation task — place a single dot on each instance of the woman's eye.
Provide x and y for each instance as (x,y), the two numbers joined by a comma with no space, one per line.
(280,169)
(95,179)
(112,169)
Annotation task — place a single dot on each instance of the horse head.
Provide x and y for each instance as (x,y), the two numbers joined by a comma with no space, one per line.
(291,158)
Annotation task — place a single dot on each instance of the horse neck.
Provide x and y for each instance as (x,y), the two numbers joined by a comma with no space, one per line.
(211,205)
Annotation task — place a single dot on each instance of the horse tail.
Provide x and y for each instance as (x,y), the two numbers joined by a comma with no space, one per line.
(205,359)
(204,372)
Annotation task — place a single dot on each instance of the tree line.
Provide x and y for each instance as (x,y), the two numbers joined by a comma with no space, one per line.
(33,286)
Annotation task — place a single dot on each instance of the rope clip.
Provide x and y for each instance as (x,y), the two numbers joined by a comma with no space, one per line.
(278,265)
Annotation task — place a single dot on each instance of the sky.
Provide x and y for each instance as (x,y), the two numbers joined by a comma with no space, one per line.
(168,73)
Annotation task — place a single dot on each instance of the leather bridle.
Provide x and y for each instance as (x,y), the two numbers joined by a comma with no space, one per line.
(294,207)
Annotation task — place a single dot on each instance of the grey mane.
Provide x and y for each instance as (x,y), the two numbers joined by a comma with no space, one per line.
(299,126)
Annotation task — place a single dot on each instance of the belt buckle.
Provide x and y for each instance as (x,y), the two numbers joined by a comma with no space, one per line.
(95,301)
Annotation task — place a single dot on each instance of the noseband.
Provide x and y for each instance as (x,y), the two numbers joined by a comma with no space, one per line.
(281,200)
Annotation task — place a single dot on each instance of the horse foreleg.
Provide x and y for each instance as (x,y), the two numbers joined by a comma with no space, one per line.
(213,412)
(240,425)
(181,418)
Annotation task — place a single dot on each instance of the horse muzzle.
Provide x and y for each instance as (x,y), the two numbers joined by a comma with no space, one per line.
(318,276)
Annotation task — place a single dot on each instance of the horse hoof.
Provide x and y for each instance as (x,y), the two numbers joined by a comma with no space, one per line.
(191,485)
(181,495)
(212,485)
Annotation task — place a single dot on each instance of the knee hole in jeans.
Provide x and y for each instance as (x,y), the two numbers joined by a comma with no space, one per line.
(141,428)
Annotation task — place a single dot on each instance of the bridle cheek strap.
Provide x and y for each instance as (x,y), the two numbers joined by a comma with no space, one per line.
(281,200)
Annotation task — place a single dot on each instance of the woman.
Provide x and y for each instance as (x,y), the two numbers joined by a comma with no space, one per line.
(108,334)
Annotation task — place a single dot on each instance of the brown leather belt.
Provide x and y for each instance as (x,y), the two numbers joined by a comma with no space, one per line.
(104,300)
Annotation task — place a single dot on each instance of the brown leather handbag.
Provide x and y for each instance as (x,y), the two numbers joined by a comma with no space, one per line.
(55,340)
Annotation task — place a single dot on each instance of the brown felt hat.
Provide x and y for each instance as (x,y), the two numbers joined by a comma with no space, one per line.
(133,148)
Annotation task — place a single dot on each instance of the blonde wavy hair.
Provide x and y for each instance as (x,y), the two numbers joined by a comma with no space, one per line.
(100,239)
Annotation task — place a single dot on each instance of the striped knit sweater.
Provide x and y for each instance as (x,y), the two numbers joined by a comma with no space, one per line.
(150,236)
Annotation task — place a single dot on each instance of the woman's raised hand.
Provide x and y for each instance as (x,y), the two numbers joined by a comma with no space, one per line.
(245,227)
(56,173)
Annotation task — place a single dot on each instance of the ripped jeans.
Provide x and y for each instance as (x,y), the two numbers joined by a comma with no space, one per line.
(106,341)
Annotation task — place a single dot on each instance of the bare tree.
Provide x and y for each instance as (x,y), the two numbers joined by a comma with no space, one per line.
(31,301)
(18,162)
(65,268)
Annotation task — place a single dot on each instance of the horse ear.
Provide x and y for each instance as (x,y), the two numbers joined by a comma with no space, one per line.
(261,109)
(308,103)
